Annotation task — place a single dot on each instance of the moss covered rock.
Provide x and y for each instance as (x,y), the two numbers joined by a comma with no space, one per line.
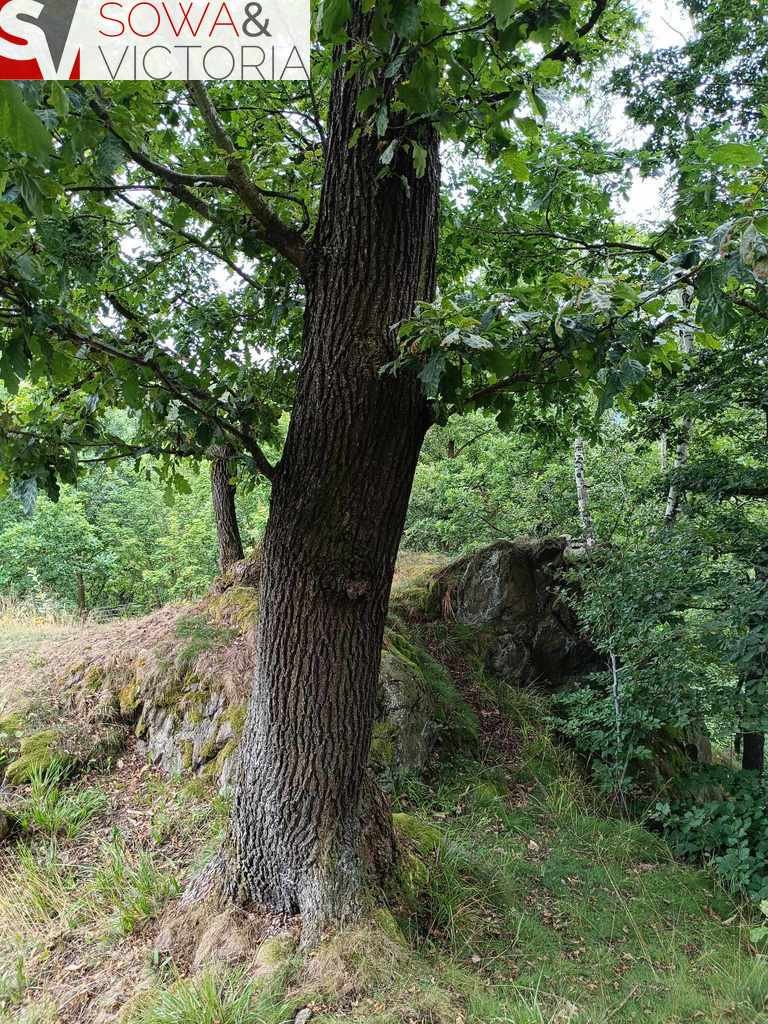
(514,592)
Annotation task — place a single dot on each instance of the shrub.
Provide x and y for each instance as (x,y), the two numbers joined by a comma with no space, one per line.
(727,825)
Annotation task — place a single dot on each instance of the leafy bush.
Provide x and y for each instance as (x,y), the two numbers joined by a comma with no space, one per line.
(726,825)
(658,610)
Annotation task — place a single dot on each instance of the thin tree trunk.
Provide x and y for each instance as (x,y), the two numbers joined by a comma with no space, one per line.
(753,743)
(674,494)
(224,509)
(663,453)
(303,801)
(582,493)
(82,600)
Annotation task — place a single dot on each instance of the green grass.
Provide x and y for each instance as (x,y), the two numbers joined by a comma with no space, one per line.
(133,886)
(214,998)
(559,914)
(53,809)
(527,900)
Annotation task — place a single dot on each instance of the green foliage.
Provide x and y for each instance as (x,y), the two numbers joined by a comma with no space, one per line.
(654,605)
(723,820)
(134,550)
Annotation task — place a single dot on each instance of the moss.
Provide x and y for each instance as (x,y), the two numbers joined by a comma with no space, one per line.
(423,835)
(275,951)
(457,723)
(36,753)
(236,715)
(11,731)
(93,678)
(201,635)
(10,825)
(238,603)
(214,768)
(128,699)
(383,753)
(186,749)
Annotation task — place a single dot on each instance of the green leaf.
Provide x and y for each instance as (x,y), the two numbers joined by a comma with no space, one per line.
(334,14)
(32,193)
(59,99)
(503,11)
(389,152)
(714,310)
(382,120)
(737,154)
(406,18)
(431,374)
(20,126)
(514,160)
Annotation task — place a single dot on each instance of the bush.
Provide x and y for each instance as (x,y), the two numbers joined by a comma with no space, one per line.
(727,825)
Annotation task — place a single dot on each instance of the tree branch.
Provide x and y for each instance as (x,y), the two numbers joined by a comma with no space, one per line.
(283,238)
(198,242)
(177,183)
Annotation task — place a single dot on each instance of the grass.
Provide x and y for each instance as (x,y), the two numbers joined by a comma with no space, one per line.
(55,810)
(133,887)
(214,998)
(526,900)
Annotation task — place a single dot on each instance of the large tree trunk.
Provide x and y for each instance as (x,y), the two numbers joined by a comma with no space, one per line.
(303,799)
(224,510)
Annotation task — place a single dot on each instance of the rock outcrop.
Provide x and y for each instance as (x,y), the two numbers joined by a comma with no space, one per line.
(514,593)
(180,679)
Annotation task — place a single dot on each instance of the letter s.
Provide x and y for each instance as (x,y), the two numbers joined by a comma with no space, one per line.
(109,17)
(34,45)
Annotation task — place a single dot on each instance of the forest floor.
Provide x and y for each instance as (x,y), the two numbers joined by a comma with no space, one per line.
(532,903)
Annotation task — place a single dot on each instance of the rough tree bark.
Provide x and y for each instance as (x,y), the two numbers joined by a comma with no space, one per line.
(753,751)
(224,510)
(753,743)
(302,801)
